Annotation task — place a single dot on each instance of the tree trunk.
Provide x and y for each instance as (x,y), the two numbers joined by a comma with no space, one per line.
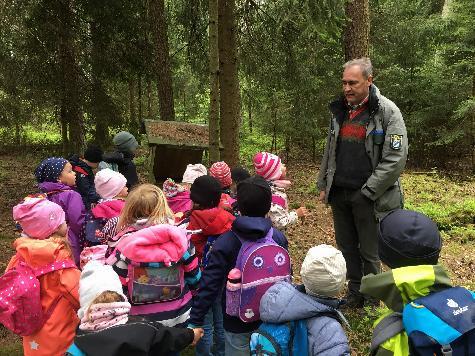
(140,118)
(213,118)
(249,113)
(356,33)
(149,99)
(228,82)
(162,59)
(70,96)
(98,94)
(132,108)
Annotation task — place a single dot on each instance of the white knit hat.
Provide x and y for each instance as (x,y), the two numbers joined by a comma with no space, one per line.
(192,172)
(95,279)
(323,271)
(109,183)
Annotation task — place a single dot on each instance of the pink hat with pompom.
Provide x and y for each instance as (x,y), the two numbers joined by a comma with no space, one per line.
(268,165)
(39,218)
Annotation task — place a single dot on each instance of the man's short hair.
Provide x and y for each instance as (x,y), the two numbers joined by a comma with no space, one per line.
(364,63)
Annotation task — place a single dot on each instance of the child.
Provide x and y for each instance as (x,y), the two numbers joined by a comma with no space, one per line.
(254,200)
(178,195)
(205,193)
(126,145)
(56,179)
(145,206)
(111,186)
(222,173)
(83,167)
(161,267)
(270,167)
(45,242)
(238,174)
(212,221)
(409,244)
(106,328)
(323,275)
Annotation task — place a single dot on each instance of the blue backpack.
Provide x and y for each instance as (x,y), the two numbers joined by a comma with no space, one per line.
(284,339)
(441,323)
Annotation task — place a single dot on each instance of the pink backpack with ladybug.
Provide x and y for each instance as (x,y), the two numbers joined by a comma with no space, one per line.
(262,263)
(20,304)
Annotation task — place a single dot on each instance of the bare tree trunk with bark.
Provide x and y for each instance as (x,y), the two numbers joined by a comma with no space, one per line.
(356,33)
(230,100)
(213,118)
(162,59)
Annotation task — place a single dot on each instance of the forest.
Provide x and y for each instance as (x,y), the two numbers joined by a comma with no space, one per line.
(76,71)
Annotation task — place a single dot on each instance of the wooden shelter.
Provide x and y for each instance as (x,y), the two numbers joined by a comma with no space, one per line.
(173,145)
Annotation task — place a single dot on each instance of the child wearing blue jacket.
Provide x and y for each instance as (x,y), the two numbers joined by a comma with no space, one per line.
(254,199)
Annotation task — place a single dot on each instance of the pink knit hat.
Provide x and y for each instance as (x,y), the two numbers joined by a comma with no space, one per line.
(222,173)
(268,165)
(109,183)
(38,217)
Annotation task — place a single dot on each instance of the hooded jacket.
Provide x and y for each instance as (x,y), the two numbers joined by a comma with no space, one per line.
(73,207)
(58,331)
(126,165)
(383,186)
(397,287)
(164,244)
(84,181)
(212,222)
(222,259)
(135,338)
(181,202)
(283,303)
(108,208)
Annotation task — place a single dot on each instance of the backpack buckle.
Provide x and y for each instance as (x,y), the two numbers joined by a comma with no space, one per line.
(446,350)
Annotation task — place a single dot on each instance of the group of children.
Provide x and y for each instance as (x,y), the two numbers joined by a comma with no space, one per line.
(203,262)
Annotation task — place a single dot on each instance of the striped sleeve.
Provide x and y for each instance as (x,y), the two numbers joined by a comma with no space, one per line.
(109,230)
(191,267)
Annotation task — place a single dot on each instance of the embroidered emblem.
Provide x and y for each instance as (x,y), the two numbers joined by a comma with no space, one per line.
(395,142)
(452,303)
(279,259)
(34,345)
(249,313)
(258,261)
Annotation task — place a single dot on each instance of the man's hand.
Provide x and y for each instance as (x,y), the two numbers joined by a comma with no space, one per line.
(199,332)
(301,212)
(322,196)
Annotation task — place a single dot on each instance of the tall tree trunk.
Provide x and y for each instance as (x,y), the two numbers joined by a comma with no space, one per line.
(139,84)
(132,107)
(162,59)
(70,96)
(149,99)
(98,94)
(356,33)
(249,112)
(228,82)
(213,118)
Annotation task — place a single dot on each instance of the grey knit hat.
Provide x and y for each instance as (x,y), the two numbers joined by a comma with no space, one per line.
(125,142)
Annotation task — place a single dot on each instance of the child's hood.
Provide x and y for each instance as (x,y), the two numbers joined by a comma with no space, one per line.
(283,302)
(400,286)
(37,253)
(158,243)
(251,228)
(211,221)
(108,209)
(53,186)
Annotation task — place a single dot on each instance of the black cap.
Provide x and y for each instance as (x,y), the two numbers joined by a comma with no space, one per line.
(238,174)
(408,238)
(206,191)
(93,153)
(254,197)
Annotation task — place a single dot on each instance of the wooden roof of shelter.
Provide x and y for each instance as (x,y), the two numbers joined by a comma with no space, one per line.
(177,133)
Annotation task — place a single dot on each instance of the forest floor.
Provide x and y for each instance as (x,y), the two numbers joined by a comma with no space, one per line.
(450,201)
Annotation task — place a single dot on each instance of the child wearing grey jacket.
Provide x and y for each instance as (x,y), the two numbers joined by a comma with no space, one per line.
(323,274)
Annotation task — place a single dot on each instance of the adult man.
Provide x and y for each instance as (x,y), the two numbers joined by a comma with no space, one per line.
(365,153)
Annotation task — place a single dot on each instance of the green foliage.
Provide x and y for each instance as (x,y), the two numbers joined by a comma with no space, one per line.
(254,142)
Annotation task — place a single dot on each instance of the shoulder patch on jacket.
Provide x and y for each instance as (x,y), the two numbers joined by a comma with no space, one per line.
(80,170)
(395,141)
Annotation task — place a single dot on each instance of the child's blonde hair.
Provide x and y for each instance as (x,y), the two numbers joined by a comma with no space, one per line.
(145,201)
(107,296)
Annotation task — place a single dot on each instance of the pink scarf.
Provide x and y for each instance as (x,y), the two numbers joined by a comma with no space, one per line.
(105,315)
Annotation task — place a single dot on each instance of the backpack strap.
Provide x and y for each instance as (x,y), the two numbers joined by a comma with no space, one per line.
(390,326)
